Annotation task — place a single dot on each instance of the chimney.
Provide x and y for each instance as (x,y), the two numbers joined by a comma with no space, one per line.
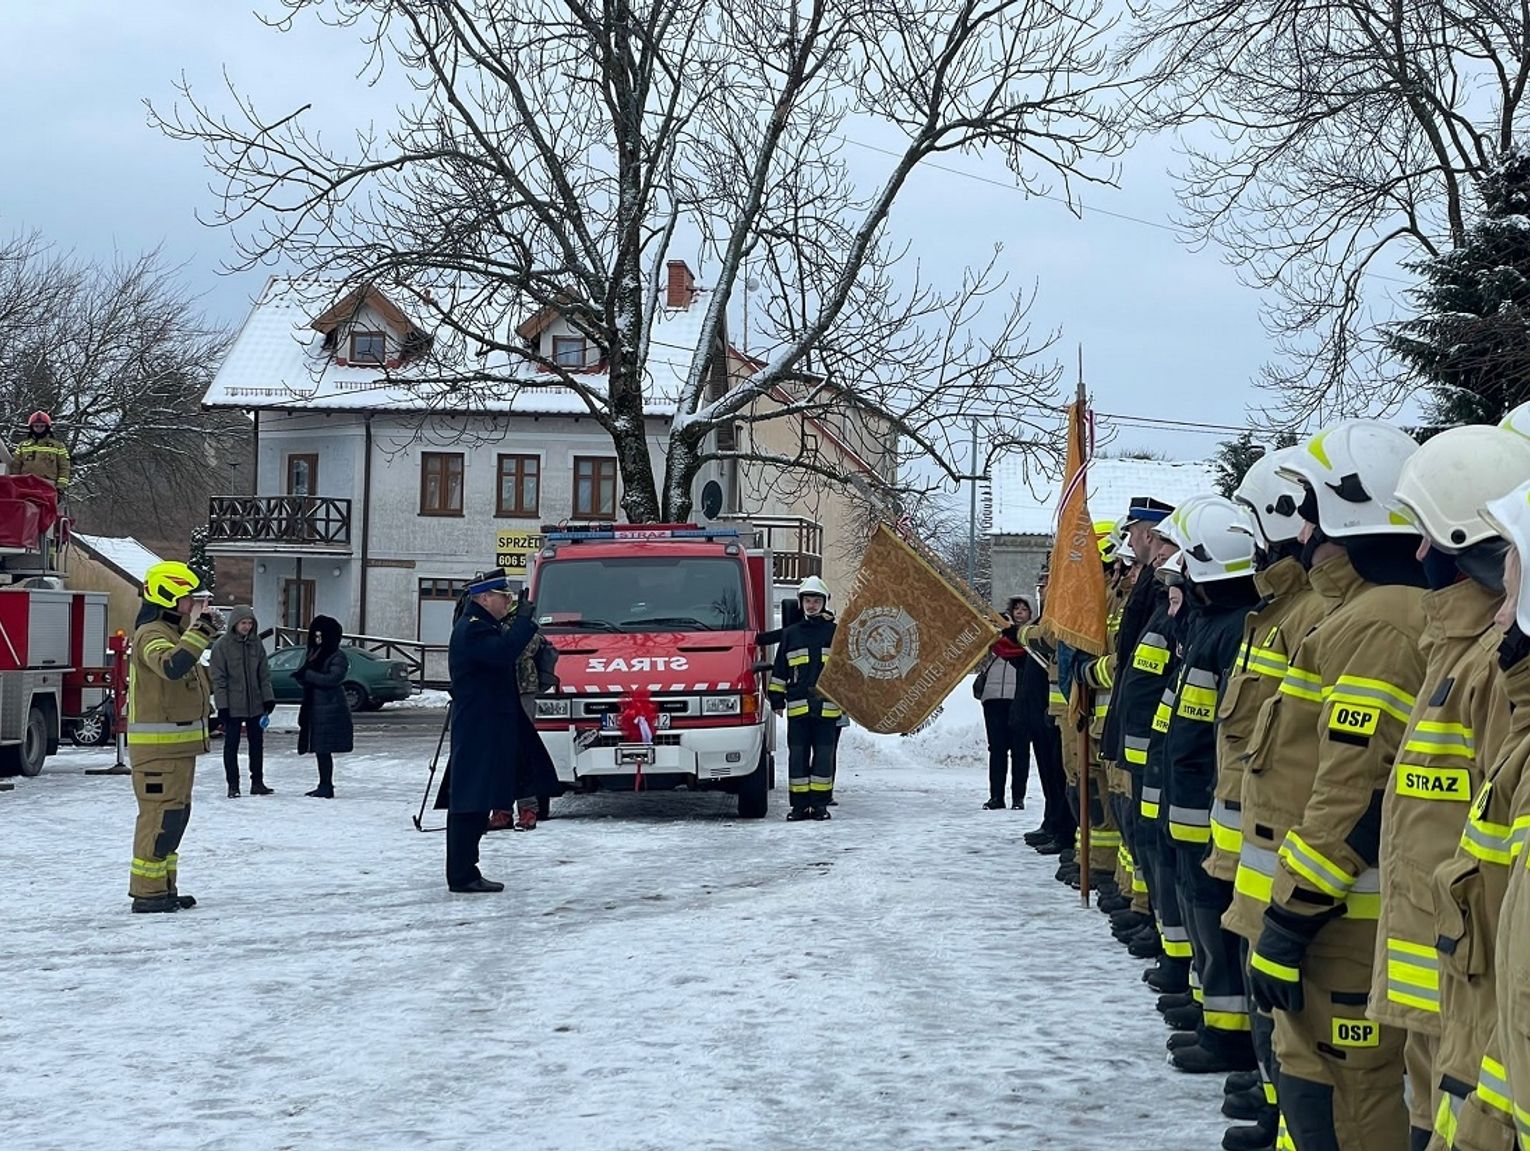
(681,287)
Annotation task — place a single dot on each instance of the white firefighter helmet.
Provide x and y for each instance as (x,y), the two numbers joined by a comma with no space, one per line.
(1510,517)
(1124,543)
(813,586)
(1518,419)
(1272,499)
(1352,469)
(1216,539)
(1444,485)
(1171,527)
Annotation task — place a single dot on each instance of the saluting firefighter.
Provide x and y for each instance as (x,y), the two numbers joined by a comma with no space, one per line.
(168,693)
(812,722)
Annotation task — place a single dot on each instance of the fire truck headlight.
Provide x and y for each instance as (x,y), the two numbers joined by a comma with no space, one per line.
(720,705)
(552,709)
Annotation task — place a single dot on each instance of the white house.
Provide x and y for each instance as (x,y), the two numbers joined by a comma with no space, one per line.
(1025,508)
(375,502)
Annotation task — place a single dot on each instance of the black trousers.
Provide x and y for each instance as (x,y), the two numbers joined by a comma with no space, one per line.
(1009,751)
(463,831)
(231,731)
(1056,820)
(812,748)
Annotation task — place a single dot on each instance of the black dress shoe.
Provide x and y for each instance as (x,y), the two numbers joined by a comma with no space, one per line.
(479,886)
(152,904)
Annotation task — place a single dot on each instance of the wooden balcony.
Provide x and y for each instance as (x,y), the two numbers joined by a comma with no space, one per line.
(796,545)
(279,525)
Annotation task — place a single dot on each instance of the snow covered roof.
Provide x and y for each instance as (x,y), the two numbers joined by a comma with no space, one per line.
(125,553)
(278,360)
(1026,504)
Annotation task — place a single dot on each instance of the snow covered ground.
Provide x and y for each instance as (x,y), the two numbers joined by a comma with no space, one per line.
(658,975)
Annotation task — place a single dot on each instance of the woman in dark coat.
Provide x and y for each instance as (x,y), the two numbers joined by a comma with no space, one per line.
(324,720)
(497,756)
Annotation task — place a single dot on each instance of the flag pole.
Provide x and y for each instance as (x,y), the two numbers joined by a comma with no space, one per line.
(1085,824)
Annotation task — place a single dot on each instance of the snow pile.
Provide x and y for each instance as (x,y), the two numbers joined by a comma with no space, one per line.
(125,552)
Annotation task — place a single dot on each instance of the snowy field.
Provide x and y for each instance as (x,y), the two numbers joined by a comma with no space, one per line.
(658,975)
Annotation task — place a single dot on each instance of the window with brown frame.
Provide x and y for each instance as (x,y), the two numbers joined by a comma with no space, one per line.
(520,486)
(369,347)
(441,483)
(595,487)
(303,475)
(570,351)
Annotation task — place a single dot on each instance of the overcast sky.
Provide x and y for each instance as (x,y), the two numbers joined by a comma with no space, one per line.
(1166,330)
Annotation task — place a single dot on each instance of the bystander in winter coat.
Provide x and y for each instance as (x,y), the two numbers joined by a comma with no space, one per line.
(324,720)
(241,672)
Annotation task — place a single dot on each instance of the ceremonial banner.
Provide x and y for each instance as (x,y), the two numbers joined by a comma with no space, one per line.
(905,639)
(1075,601)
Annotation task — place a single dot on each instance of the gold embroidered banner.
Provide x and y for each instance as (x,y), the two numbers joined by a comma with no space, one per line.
(905,639)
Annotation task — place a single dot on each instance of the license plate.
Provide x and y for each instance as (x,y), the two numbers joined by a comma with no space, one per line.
(634,754)
(611,721)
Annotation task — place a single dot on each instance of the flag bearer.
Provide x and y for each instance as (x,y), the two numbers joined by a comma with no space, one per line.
(168,694)
(812,722)
(1288,611)
(1331,741)
(1454,732)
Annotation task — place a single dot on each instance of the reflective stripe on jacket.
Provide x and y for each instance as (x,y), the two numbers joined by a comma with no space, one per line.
(1456,729)
(44,456)
(800,656)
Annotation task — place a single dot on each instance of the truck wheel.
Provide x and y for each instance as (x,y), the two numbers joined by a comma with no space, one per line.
(27,756)
(754,791)
(91,730)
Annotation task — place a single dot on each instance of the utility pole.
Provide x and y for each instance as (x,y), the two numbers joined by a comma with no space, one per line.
(972,483)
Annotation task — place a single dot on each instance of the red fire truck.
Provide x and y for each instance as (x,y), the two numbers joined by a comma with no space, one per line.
(661,620)
(53,657)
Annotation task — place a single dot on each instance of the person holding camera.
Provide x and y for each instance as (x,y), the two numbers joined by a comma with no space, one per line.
(496,755)
(241,678)
(996,685)
(166,727)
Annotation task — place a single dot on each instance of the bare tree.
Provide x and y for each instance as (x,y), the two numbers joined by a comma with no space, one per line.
(1348,135)
(119,356)
(557,148)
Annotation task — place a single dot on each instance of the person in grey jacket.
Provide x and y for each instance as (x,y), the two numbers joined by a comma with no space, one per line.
(241,677)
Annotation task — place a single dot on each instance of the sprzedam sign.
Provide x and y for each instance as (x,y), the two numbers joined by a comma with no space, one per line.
(513,551)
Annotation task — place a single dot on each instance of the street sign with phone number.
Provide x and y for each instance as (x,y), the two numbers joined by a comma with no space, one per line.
(513,550)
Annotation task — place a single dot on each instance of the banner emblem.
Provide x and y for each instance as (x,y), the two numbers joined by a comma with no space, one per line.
(884,642)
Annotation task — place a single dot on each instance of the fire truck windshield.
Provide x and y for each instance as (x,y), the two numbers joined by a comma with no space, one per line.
(641,594)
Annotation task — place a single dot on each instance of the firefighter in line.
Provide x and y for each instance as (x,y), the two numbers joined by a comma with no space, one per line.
(812,722)
(1456,727)
(168,693)
(1288,610)
(1483,895)
(1331,742)
(41,453)
(1216,540)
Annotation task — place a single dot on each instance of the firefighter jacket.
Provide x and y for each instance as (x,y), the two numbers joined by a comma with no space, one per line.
(1505,1079)
(1190,745)
(1151,805)
(1141,684)
(1343,708)
(1099,675)
(1469,894)
(168,688)
(1455,731)
(1289,611)
(44,456)
(1137,604)
(800,656)
(1282,763)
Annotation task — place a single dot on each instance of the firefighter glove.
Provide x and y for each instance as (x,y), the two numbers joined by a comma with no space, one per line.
(1275,977)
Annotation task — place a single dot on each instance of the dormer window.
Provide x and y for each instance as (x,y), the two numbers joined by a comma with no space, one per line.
(570,351)
(369,347)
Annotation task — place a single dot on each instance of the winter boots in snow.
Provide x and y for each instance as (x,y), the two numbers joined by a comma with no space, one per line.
(153,904)
(259,788)
(233,791)
(1198,1060)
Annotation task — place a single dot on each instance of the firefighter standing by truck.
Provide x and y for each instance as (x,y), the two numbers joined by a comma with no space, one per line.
(168,693)
(812,722)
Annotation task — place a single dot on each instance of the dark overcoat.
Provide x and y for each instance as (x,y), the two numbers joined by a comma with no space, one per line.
(497,756)
(324,720)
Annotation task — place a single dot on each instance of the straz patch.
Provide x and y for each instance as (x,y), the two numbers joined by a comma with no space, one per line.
(1149,661)
(1198,711)
(1445,783)
(1356,1033)
(1354,719)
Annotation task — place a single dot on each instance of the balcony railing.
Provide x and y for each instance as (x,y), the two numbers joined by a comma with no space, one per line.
(796,545)
(299,524)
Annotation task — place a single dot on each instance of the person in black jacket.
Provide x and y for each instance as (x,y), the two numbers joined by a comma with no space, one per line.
(812,722)
(324,719)
(995,687)
(496,755)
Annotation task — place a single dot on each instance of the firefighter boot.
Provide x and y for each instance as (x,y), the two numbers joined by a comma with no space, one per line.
(151,904)
(1169,977)
(1182,1039)
(1239,1081)
(1246,1105)
(1198,1060)
(1259,1136)
(1185,1019)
